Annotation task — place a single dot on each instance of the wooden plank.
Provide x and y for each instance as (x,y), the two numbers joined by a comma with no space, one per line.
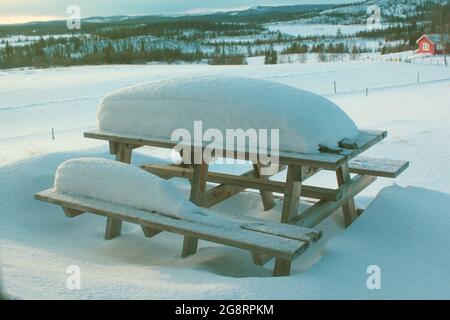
(363,141)
(219,194)
(297,233)
(292,193)
(266,196)
(319,160)
(304,234)
(244,181)
(258,224)
(232,236)
(323,209)
(348,208)
(223,191)
(71,213)
(378,167)
(282,268)
(150,232)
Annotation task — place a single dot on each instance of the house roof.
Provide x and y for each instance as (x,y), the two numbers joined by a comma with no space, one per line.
(435,38)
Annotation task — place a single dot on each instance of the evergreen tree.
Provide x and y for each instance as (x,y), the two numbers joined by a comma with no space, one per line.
(271,56)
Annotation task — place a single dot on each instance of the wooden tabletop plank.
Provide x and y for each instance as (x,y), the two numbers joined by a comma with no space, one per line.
(365,140)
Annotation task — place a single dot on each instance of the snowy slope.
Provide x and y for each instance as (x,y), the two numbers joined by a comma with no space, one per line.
(299,28)
(396,8)
(35,101)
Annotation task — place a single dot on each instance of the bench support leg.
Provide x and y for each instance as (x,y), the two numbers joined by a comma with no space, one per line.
(71,213)
(261,259)
(282,267)
(266,196)
(189,246)
(349,208)
(113,228)
(150,232)
(198,188)
(292,193)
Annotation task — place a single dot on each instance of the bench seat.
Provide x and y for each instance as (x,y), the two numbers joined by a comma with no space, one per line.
(285,242)
(378,167)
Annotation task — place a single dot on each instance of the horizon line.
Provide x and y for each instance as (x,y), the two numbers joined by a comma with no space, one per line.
(24,19)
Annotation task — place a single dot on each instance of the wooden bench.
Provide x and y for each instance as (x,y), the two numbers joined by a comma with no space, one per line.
(260,237)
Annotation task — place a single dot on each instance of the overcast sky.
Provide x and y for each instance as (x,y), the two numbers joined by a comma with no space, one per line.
(26,10)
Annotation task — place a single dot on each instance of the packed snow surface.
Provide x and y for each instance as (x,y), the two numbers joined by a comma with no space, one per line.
(404,231)
(158,108)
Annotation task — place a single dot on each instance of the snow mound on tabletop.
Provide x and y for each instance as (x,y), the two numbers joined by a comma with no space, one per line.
(157,108)
(124,184)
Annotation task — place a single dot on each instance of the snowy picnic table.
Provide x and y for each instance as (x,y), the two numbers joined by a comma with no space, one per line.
(315,135)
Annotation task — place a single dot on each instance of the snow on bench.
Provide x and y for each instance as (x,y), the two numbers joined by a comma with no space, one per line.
(125,193)
(117,182)
(155,109)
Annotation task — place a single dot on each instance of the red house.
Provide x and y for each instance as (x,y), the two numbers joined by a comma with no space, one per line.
(431,44)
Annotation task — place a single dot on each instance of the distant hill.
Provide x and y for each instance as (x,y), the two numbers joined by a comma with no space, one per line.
(257,14)
(352,13)
(260,10)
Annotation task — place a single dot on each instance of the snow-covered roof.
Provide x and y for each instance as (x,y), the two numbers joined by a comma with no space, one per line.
(156,109)
(435,38)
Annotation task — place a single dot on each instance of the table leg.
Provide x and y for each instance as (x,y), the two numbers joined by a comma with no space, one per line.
(198,188)
(282,268)
(292,193)
(348,209)
(266,196)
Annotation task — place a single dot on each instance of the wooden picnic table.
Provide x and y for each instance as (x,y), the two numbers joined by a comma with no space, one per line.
(300,167)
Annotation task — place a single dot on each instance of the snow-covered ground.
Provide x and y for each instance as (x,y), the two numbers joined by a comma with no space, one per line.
(404,231)
(306,30)
(22,40)
(35,101)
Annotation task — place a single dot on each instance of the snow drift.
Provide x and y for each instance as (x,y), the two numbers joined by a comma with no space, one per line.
(120,183)
(157,108)
(404,231)
(124,184)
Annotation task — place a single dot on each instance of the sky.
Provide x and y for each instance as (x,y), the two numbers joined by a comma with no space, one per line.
(17,11)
